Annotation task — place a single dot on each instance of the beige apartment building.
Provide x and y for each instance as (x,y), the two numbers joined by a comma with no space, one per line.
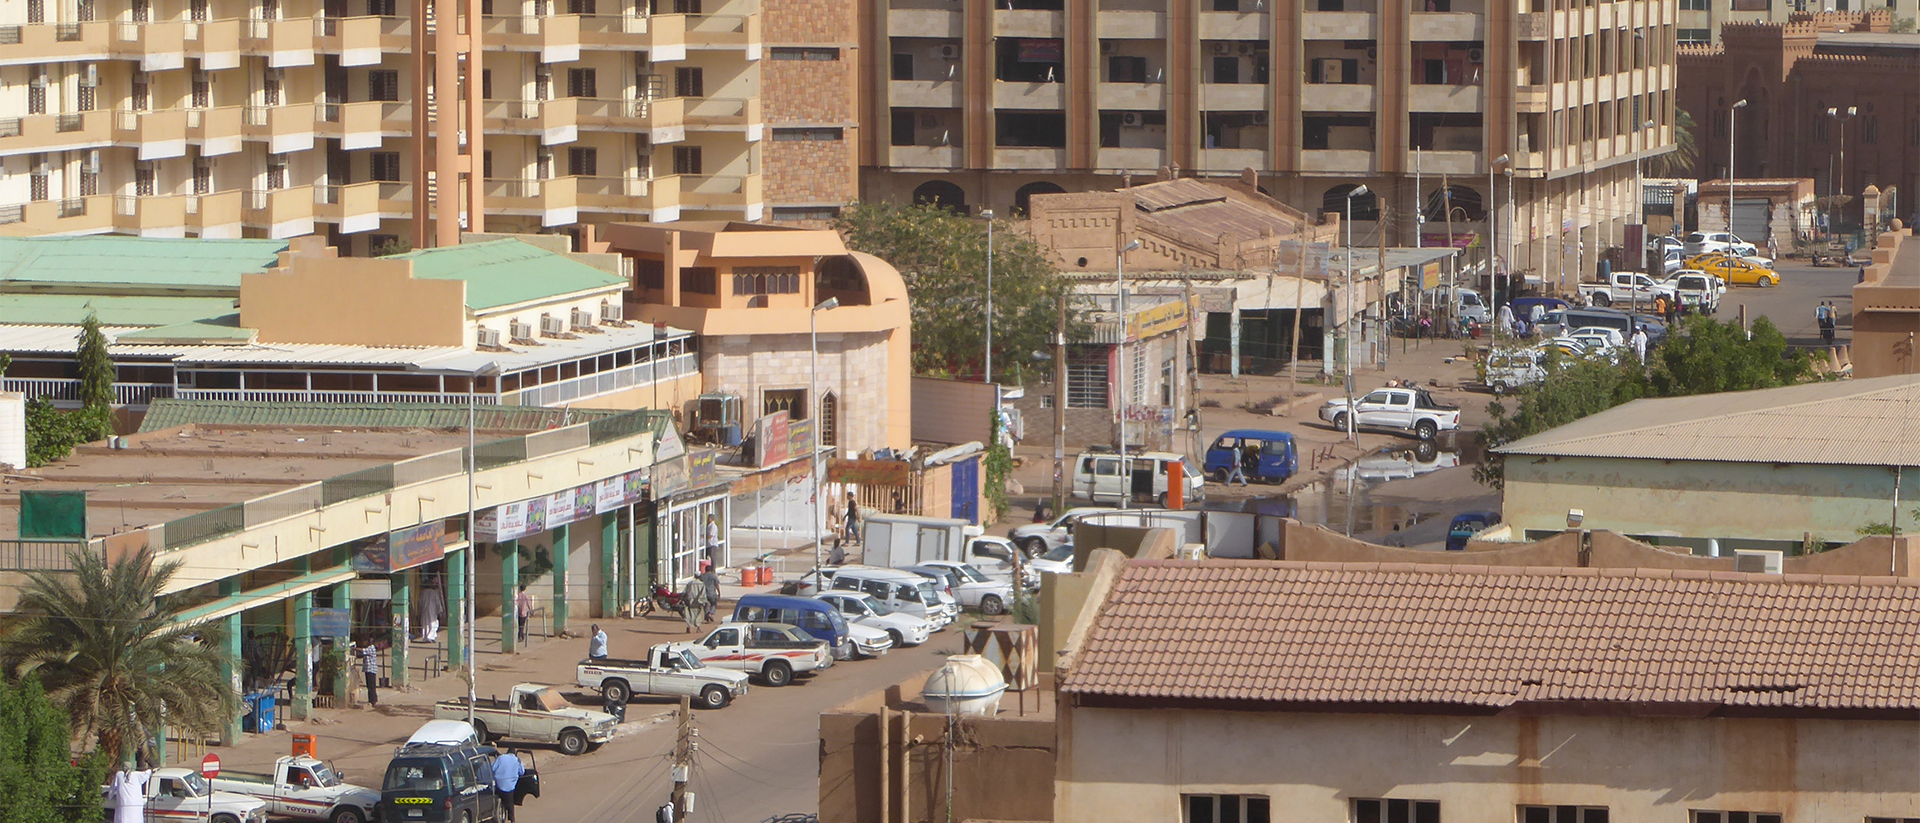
(276,118)
(985,104)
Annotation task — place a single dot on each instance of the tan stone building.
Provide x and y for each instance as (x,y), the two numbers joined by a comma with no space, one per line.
(985,105)
(1886,308)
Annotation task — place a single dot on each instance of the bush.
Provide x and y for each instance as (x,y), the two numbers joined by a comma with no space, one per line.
(52,433)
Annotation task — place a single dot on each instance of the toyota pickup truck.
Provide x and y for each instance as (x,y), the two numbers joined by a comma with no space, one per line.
(1406,408)
(182,794)
(773,651)
(1625,287)
(535,713)
(667,671)
(305,789)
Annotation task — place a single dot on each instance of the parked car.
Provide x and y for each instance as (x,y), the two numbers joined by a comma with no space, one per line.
(969,587)
(1702,242)
(668,671)
(303,788)
(817,619)
(1471,307)
(775,652)
(1266,456)
(1695,289)
(1057,560)
(1624,322)
(182,794)
(901,590)
(998,558)
(1622,287)
(1512,368)
(1737,270)
(533,713)
(1039,538)
(436,783)
(1523,306)
(1410,409)
(1097,475)
(1467,524)
(861,609)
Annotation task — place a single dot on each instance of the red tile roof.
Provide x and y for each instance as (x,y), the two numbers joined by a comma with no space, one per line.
(1488,638)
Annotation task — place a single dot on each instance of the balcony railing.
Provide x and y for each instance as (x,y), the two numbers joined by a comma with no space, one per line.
(58,389)
(612,24)
(593,385)
(69,122)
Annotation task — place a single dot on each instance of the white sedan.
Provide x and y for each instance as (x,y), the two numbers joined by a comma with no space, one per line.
(969,587)
(862,610)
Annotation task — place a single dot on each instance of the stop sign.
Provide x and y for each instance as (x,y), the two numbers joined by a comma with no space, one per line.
(210,766)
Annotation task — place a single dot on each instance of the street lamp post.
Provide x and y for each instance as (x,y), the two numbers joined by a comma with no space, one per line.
(1346,313)
(813,400)
(1120,292)
(1738,105)
(491,369)
(1493,248)
(988,214)
(1837,186)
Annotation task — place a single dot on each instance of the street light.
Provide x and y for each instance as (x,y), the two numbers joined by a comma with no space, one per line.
(813,399)
(1493,248)
(1837,186)
(988,214)
(1120,286)
(1742,103)
(491,369)
(1346,314)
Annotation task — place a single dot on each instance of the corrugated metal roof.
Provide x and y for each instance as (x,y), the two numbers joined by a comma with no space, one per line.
(1872,422)
(114,310)
(135,261)
(168,413)
(505,272)
(223,330)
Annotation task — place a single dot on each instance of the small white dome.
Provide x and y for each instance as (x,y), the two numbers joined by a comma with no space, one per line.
(967,685)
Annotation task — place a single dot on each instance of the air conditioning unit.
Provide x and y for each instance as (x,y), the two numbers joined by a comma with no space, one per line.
(1222,48)
(1259,118)
(551,325)
(489,337)
(611,313)
(1476,55)
(519,331)
(582,319)
(1106,46)
(950,51)
(1757,560)
(1131,118)
(1333,70)
(1246,48)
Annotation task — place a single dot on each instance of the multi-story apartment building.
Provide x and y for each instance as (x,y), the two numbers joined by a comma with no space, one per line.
(274,118)
(984,104)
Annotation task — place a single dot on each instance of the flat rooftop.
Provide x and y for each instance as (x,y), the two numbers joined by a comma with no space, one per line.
(169,474)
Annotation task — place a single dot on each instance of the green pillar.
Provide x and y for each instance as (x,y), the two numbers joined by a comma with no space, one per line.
(610,563)
(302,653)
(401,584)
(231,666)
(562,546)
(454,621)
(509,588)
(342,599)
(643,516)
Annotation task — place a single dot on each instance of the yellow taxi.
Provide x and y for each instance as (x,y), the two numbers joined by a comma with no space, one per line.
(1736,269)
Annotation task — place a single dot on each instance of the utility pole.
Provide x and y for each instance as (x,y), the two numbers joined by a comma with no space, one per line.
(1193,378)
(1380,233)
(1299,294)
(683,762)
(1060,409)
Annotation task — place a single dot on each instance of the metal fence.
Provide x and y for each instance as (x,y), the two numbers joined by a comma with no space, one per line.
(38,555)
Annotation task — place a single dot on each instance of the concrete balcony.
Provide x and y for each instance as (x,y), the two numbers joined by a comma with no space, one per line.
(556,38)
(1338,25)
(1235,25)
(725,32)
(1233,96)
(215,43)
(1025,157)
(1022,95)
(613,32)
(720,114)
(156,135)
(281,213)
(285,42)
(1528,26)
(925,94)
(216,215)
(613,195)
(1531,99)
(940,23)
(216,131)
(38,43)
(664,120)
(1435,26)
(73,215)
(1029,23)
(924,157)
(1448,162)
(1147,161)
(158,46)
(1133,96)
(1133,25)
(555,202)
(667,37)
(555,121)
(721,192)
(1232,160)
(353,208)
(55,132)
(360,41)
(362,125)
(395,201)
(283,128)
(1343,161)
(1336,97)
(1529,161)
(151,216)
(1445,98)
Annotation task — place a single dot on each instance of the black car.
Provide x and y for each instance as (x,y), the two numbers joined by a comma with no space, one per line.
(440,784)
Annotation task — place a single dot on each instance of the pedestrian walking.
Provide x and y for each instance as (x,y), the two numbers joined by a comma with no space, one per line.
(713,539)
(852,520)
(1639,343)
(596,643)
(523,610)
(1503,319)
(370,665)
(691,605)
(710,584)
(1237,471)
(1828,318)
(432,606)
(129,792)
(507,771)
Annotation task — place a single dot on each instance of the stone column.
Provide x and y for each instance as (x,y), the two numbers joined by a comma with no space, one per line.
(561,537)
(302,655)
(401,584)
(509,589)
(231,665)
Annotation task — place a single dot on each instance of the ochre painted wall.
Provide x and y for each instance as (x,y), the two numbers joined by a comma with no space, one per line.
(386,307)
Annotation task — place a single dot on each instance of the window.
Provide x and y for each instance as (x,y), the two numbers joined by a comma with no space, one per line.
(202,89)
(1697,37)
(583,161)
(1893,820)
(805,212)
(383,8)
(791,401)
(1126,69)
(686,160)
(817,133)
(383,84)
(766,280)
(1087,378)
(650,274)
(1365,207)
(582,7)
(384,166)
(1563,814)
(1870,129)
(699,280)
(689,81)
(144,178)
(582,83)
(1368,810)
(815,54)
(202,176)
(1750,5)
(1227,808)
(276,172)
(1734,817)
(829,420)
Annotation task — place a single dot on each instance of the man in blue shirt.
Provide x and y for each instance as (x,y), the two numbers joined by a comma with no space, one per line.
(596,643)
(507,770)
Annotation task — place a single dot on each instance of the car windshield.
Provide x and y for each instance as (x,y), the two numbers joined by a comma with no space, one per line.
(970,573)
(415,776)
(196,785)
(688,661)
(324,776)
(876,606)
(1059,554)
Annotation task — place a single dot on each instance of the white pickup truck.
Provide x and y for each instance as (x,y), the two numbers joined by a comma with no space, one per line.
(667,671)
(1405,408)
(536,713)
(304,789)
(182,794)
(774,651)
(1626,288)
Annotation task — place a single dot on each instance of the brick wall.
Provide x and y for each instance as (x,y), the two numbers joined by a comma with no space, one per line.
(809,171)
(807,21)
(852,366)
(809,92)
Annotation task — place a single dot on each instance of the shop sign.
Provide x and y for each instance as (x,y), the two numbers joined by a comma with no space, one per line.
(670,477)
(1460,240)
(330,622)
(614,492)
(700,470)
(869,472)
(670,445)
(800,438)
(417,546)
(1157,320)
(772,440)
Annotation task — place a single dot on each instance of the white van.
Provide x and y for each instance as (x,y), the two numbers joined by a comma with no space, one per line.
(902,591)
(1472,305)
(1096,475)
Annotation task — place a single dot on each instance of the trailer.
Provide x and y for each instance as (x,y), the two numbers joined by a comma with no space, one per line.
(901,540)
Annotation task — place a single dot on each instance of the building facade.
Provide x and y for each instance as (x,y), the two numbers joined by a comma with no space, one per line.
(987,104)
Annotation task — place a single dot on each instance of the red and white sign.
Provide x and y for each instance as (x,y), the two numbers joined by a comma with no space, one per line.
(210,766)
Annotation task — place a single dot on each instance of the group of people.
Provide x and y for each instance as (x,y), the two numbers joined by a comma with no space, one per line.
(701,597)
(1826,316)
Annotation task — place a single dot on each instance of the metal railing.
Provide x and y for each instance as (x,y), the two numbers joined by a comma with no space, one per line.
(13,214)
(60,388)
(67,32)
(73,207)
(306,396)
(38,555)
(69,122)
(639,374)
(255,115)
(10,126)
(9,35)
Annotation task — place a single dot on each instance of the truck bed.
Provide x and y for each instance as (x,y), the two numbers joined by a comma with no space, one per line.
(615,663)
(496,703)
(246,777)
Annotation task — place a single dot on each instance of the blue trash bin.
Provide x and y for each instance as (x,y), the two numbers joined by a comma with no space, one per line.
(250,711)
(266,710)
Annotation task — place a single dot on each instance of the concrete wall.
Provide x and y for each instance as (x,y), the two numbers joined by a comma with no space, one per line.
(879,766)
(1118,764)
(857,367)
(1886,309)
(301,304)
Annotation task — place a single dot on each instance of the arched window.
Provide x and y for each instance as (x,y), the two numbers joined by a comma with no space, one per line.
(941,193)
(829,419)
(1365,207)
(1465,200)
(1023,198)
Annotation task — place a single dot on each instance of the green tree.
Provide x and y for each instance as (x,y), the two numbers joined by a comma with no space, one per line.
(996,465)
(52,433)
(96,366)
(1574,388)
(1680,161)
(39,780)
(943,258)
(113,654)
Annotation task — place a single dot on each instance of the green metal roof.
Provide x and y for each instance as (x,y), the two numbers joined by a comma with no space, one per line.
(168,413)
(108,260)
(114,310)
(506,272)
(222,330)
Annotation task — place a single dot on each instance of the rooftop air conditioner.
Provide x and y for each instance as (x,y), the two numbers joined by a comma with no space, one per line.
(582,319)
(519,331)
(489,337)
(1757,560)
(1222,48)
(1131,118)
(950,51)
(552,325)
(611,313)
(1476,55)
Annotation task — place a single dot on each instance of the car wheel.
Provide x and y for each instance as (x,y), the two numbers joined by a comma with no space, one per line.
(714,697)
(1602,300)
(1161,500)
(1425,429)
(615,691)
(778,673)
(225,818)
(1340,421)
(899,640)
(350,814)
(1220,476)
(1033,546)
(573,742)
(992,605)
(480,730)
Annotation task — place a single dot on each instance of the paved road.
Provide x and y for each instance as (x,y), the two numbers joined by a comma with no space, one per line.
(1790,306)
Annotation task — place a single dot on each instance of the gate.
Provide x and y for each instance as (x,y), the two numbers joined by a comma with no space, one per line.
(1750,220)
(966,490)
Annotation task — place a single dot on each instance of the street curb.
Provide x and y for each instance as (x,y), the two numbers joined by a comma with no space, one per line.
(633,727)
(1287,409)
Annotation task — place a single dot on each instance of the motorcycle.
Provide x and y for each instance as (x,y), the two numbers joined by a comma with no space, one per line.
(663,598)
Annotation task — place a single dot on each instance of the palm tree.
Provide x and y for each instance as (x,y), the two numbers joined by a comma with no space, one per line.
(1679,162)
(116,657)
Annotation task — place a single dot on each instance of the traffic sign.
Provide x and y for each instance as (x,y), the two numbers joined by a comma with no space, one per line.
(210,766)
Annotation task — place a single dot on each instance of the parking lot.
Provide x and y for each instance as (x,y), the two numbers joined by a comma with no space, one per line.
(1790,306)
